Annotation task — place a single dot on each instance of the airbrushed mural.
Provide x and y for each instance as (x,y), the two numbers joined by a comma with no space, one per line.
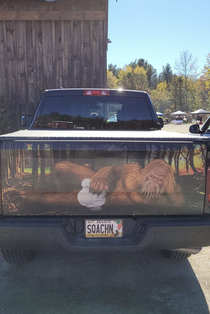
(102,178)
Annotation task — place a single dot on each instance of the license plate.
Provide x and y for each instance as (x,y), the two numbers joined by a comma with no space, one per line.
(104,228)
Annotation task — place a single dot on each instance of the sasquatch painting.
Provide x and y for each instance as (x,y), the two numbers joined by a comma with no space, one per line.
(146,180)
(124,184)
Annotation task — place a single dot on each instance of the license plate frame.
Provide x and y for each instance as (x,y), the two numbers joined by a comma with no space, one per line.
(104,228)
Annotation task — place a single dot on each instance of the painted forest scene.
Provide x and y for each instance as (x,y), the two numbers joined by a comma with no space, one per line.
(110,178)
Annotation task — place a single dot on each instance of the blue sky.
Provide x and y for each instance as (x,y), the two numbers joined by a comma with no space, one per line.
(158,30)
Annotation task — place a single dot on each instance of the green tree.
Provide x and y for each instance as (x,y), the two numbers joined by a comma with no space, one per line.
(142,63)
(133,64)
(151,76)
(166,74)
(192,98)
(176,92)
(114,69)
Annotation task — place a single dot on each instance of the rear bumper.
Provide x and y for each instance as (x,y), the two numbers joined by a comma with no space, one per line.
(53,234)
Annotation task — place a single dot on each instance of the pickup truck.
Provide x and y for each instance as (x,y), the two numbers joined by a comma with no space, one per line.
(94,171)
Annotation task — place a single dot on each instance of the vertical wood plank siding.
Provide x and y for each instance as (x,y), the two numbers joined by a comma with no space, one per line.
(39,54)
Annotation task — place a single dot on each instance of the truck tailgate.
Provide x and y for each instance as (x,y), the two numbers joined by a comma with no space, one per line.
(102,177)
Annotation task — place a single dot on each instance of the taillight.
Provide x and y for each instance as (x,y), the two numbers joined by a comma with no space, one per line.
(96,93)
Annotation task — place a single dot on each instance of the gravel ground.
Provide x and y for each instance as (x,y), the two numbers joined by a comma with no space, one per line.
(128,283)
(182,128)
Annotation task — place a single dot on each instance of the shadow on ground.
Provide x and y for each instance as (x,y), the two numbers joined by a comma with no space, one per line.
(102,283)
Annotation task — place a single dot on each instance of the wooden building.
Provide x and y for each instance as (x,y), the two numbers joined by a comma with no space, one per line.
(50,44)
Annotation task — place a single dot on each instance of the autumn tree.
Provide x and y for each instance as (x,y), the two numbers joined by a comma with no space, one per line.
(202,93)
(111,80)
(151,72)
(207,71)
(170,92)
(160,97)
(134,79)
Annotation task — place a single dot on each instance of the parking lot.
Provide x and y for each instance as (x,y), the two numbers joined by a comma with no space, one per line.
(181,128)
(107,282)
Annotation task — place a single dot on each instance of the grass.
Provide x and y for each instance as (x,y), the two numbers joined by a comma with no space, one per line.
(29,170)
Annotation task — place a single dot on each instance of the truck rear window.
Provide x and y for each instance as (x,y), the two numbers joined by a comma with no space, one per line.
(94,113)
